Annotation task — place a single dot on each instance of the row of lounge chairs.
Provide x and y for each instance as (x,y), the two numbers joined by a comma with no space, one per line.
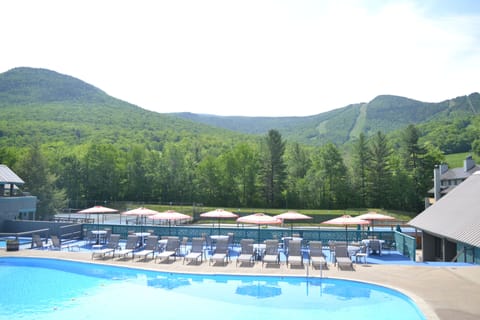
(248,253)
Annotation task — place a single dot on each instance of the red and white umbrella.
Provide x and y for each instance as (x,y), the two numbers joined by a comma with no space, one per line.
(219,214)
(170,215)
(372,216)
(292,215)
(141,212)
(346,221)
(259,219)
(98,210)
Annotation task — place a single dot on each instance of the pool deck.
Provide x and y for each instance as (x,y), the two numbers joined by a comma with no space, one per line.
(441,292)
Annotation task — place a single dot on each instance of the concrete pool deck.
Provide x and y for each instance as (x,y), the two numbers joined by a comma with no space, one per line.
(441,292)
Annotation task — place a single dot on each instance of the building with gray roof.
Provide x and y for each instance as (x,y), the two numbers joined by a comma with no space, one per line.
(14,204)
(451,226)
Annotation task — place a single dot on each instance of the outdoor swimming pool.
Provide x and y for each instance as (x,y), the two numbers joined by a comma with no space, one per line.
(36,288)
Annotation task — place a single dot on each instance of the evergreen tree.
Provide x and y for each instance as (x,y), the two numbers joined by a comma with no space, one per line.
(379,172)
(361,162)
(273,169)
(41,183)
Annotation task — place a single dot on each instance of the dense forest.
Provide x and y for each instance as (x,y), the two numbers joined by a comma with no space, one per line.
(75,146)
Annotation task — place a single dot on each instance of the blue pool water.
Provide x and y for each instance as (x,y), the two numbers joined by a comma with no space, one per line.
(55,289)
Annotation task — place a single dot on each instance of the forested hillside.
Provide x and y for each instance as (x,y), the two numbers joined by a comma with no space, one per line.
(384,113)
(76,146)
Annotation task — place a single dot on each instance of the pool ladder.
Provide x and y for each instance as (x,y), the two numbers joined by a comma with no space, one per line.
(307,275)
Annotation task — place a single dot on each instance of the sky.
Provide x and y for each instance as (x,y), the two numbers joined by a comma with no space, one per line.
(250,58)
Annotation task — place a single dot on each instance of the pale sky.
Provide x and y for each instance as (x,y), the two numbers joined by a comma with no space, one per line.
(252,58)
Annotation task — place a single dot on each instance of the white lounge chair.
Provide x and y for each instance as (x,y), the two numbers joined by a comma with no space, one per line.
(271,254)
(317,258)
(196,252)
(342,258)
(112,245)
(247,254)
(130,247)
(171,250)
(220,254)
(150,248)
(295,256)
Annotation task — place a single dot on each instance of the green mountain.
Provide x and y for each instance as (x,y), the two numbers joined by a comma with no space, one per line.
(385,113)
(45,106)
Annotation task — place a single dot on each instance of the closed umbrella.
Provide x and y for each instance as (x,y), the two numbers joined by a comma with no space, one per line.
(219,214)
(98,210)
(259,219)
(292,215)
(170,215)
(346,221)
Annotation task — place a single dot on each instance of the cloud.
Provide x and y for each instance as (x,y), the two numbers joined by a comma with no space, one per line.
(249,57)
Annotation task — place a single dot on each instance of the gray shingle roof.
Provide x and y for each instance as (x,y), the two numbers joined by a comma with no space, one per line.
(456,215)
(7,176)
(459,173)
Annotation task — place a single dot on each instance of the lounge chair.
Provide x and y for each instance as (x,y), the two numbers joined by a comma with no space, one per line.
(57,244)
(220,253)
(196,252)
(295,256)
(37,243)
(247,254)
(342,258)
(271,254)
(110,248)
(150,248)
(130,247)
(317,258)
(171,250)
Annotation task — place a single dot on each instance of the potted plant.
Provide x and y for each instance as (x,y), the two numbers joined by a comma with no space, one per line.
(12,245)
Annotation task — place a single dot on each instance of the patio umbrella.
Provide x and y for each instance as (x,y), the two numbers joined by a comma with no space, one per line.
(98,210)
(140,212)
(219,214)
(259,219)
(346,220)
(292,215)
(169,215)
(372,216)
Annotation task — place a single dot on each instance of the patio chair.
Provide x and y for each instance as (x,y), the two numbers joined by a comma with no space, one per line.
(196,252)
(37,242)
(112,245)
(220,253)
(247,254)
(57,243)
(362,254)
(317,258)
(389,246)
(342,259)
(231,239)
(130,247)
(171,250)
(90,237)
(375,247)
(271,254)
(150,248)
(295,256)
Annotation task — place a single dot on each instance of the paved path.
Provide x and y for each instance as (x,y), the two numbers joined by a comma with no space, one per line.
(440,292)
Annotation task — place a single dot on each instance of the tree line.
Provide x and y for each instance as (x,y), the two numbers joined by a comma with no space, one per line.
(268,173)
